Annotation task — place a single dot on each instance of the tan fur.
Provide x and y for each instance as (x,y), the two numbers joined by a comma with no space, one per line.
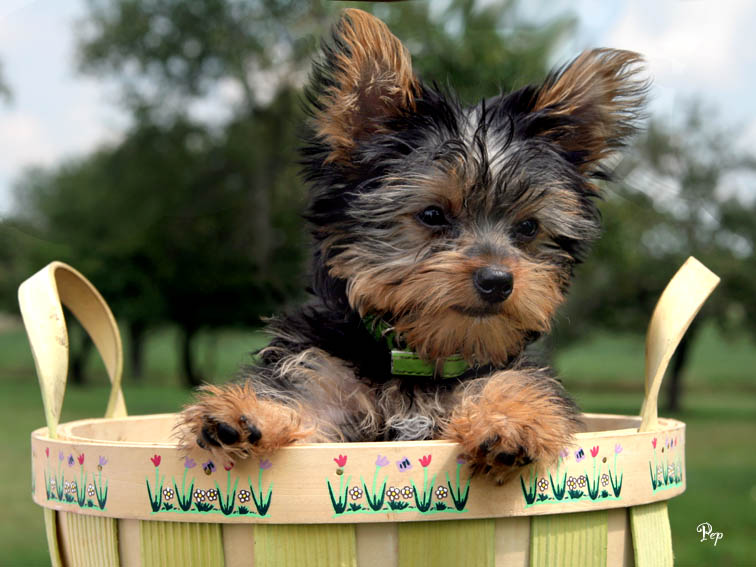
(602,88)
(513,413)
(422,298)
(280,425)
(374,80)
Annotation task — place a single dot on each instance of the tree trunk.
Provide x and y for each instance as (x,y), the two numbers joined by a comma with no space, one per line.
(136,352)
(191,377)
(78,353)
(675,386)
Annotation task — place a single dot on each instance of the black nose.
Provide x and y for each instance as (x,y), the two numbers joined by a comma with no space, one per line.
(494,284)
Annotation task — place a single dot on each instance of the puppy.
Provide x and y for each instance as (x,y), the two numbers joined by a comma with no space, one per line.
(444,240)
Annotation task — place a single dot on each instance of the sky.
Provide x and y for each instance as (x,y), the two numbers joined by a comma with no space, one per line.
(694,48)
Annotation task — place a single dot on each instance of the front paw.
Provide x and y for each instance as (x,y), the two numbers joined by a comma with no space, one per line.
(512,421)
(231,422)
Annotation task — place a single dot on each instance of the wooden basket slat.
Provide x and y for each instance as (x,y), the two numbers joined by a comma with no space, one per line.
(239,545)
(564,540)
(305,546)
(652,537)
(619,541)
(447,544)
(184,544)
(512,542)
(88,540)
(51,531)
(377,541)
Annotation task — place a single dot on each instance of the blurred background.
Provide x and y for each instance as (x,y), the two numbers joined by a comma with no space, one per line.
(152,145)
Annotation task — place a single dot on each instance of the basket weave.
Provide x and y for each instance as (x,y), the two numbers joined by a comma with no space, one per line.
(117,491)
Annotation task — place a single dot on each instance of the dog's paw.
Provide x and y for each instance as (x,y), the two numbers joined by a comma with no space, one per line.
(233,423)
(511,422)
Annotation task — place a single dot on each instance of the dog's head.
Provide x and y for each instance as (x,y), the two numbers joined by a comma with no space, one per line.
(460,225)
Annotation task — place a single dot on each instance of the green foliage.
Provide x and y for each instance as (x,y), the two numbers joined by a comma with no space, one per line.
(170,48)
(677,201)
(479,48)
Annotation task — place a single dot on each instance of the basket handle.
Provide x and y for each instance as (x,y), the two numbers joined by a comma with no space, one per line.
(41,298)
(678,305)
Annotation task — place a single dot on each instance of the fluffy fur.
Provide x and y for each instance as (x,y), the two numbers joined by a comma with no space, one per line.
(413,196)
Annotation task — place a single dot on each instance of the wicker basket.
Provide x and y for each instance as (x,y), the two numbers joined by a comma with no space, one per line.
(117,491)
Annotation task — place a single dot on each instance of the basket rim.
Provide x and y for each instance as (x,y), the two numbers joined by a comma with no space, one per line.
(67,433)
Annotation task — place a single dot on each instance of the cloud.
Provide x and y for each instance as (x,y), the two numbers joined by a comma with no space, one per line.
(693,47)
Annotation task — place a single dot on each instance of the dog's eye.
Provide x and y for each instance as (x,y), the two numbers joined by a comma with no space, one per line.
(433,217)
(527,229)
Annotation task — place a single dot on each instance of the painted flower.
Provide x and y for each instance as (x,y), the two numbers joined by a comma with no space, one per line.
(90,490)
(80,458)
(74,486)
(156,460)
(543,484)
(52,482)
(381,461)
(61,456)
(168,493)
(604,479)
(66,487)
(442,492)
(71,460)
(228,466)
(102,461)
(572,483)
(564,454)
(199,495)
(355,492)
(653,442)
(671,470)
(461,460)
(47,451)
(581,481)
(243,496)
(594,451)
(404,464)
(189,463)
(617,449)
(212,494)
(208,467)
(341,460)
(408,492)
(393,493)
(265,464)
(579,455)
(425,461)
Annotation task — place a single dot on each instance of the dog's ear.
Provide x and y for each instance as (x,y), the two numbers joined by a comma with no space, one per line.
(363,80)
(590,107)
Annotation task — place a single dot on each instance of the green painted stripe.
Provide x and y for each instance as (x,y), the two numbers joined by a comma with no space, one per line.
(91,540)
(181,544)
(305,546)
(564,540)
(652,537)
(468,543)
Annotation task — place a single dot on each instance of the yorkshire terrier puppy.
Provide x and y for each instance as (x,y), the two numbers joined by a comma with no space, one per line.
(445,238)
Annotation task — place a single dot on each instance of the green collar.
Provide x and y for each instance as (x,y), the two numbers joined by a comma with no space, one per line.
(407,362)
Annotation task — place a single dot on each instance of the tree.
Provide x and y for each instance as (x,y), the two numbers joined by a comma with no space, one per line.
(676,201)
(479,48)
(5,92)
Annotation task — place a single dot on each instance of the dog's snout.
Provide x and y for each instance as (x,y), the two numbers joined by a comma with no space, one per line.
(493,283)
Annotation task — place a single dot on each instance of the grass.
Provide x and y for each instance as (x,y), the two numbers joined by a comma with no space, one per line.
(605,375)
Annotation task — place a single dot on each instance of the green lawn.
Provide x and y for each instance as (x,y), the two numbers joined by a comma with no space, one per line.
(605,374)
